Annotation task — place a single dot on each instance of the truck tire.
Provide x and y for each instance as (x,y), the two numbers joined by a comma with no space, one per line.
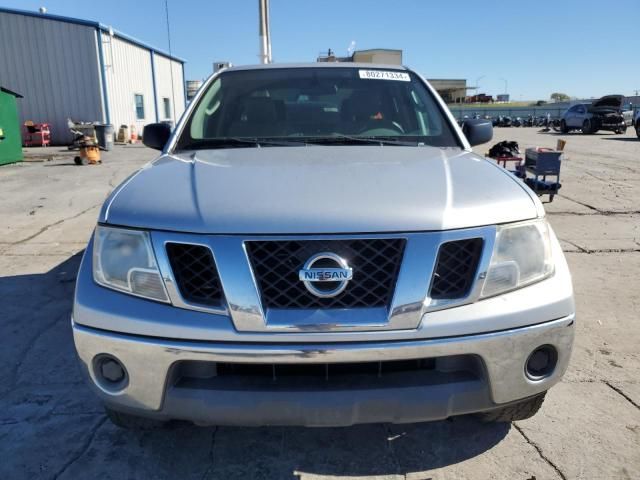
(132,422)
(517,411)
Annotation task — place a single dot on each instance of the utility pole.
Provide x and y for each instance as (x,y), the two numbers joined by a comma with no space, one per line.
(264,32)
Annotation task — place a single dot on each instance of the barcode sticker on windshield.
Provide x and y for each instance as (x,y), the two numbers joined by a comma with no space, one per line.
(384,75)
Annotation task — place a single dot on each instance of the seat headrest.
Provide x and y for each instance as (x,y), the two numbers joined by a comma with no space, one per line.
(362,105)
(260,110)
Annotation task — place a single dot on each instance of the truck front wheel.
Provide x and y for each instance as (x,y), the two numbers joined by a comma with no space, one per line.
(518,411)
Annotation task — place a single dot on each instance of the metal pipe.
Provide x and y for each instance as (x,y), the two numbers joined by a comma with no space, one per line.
(263,31)
(269,60)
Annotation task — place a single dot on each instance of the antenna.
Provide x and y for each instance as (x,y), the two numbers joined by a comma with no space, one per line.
(173,93)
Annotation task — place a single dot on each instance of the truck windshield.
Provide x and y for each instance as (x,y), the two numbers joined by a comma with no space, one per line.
(292,106)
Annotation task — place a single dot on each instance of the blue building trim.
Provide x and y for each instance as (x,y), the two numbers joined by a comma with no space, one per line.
(153,80)
(103,75)
(60,18)
(89,23)
(140,43)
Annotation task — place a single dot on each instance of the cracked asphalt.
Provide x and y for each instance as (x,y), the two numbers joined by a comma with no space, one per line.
(52,427)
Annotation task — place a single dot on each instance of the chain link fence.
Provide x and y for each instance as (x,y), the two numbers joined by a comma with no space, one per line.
(554,111)
(522,112)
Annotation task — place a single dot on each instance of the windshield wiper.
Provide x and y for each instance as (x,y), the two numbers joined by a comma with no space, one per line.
(340,139)
(276,142)
(239,142)
(333,139)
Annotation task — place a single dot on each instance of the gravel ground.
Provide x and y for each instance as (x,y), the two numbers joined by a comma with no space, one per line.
(52,427)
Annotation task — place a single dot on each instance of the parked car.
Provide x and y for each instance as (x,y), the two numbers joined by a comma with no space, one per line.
(318,245)
(636,122)
(480,98)
(605,113)
(628,114)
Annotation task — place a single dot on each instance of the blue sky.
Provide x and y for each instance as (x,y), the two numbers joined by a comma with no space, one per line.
(580,47)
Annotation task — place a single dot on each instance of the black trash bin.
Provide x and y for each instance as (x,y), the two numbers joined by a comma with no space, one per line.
(104,135)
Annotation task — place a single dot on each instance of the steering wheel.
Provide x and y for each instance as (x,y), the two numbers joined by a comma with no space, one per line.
(381,131)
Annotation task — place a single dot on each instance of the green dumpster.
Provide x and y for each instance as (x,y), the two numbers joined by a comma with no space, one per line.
(10,139)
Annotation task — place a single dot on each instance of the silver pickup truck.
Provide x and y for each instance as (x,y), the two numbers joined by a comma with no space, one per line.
(318,245)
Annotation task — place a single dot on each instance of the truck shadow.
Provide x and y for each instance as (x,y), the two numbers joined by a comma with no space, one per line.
(358,451)
(624,139)
(35,309)
(362,451)
(576,133)
(43,394)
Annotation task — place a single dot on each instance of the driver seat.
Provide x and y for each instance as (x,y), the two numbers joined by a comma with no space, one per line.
(260,117)
(364,110)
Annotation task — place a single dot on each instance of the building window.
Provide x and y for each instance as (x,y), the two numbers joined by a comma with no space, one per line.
(166,104)
(139,99)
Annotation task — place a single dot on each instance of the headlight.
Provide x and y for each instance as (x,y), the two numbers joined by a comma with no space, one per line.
(124,260)
(521,256)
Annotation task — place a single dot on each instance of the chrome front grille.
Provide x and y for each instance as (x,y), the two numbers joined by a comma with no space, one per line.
(196,273)
(255,282)
(455,270)
(375,264)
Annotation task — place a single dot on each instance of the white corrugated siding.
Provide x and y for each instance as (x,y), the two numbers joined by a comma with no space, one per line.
(164,67)
(128,72)
(55,66)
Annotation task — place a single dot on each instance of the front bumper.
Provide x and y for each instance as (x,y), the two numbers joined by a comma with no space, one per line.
(612,123)
(150,389)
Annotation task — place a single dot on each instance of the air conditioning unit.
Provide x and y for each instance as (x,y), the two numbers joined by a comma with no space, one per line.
(220,65)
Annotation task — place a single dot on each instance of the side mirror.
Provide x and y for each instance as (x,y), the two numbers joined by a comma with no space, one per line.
(477,131)
(156,135)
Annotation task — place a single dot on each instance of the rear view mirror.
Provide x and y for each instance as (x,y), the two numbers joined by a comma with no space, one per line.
(156,135)
(477,131)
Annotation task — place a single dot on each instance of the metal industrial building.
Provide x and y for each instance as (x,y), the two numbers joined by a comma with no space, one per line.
(70,68)
(374,55)
(451,90)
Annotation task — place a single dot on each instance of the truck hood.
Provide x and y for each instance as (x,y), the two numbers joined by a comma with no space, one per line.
(318,189)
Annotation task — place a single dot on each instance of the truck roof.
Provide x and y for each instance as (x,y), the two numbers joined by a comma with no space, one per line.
(318,65)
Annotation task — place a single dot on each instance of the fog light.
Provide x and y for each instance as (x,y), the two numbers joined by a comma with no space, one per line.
(541,362)
(110,372)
